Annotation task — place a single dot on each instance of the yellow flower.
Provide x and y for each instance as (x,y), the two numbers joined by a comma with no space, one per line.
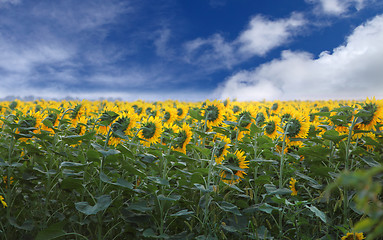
(213,112)
(151,130)
(169,115)
(3,202)
(183,137)
(353,236)
(237,160)
(292,186)
(182,111)
(272,127)
(372,113)
(222,150)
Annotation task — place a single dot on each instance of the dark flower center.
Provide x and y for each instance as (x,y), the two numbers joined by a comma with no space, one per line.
(369,109)
(148,130)
(245,118)
(294,128)
(274,107)
(212,113)
(270,127)
(285,117)
(166,116)
(180,111)
(236,109)
(260,118)
(180,139)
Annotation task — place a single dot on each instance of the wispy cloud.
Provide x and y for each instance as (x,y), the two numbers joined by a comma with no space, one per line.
(260,37)
(338,7)
(263,35)
(352,70)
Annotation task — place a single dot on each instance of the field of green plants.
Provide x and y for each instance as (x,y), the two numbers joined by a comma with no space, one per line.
(181,170)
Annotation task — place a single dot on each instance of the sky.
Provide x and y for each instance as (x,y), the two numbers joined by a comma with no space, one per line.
(192,50)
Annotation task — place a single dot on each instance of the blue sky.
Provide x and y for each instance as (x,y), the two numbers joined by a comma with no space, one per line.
(192,49)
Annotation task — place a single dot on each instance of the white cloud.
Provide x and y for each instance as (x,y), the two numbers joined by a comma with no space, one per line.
(261,36)
(9,2)
(353,70)
(212,53)
(336,7)
(17,58)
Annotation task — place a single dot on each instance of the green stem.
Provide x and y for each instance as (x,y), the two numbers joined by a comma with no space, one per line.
(346,168)
(281,174)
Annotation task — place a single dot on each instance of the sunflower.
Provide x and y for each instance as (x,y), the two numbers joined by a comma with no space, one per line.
(353,236)
(76,113)
(261,116)
(3,202)
(286,113)
(292,186)
(183,137)
(53,118)
(372,113)
(150,131)
(235,160)
(169,115)
(272,127)
(276,107)
(122,126)
(297,126)
(213,112)
(182,111)
(222,149)
(168,131)
(106,119)
(245,117)
(31,120)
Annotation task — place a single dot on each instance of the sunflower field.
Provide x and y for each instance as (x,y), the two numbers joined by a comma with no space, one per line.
(191,170)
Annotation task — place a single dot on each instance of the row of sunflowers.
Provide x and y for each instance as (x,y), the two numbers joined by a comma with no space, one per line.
(204,170)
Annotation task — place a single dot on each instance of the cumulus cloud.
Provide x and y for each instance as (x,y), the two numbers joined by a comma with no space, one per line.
(336,7)
(261,36)
(264,34)
(350,71)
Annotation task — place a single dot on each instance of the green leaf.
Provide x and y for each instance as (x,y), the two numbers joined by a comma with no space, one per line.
(171,198)
(370,161)
(195,113)
(120,182)
(72,164)
(159,180)
(52,232)
(317,212)
(334,136)
(28,225)
(267,208)
(103,151)
(71,183)
(182,212)
(364,225)
(140,206)
(103,202)
(229,207)
(272,190)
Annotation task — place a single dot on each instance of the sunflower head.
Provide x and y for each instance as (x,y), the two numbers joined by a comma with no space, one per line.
(297,126)
(370,113)
(272,127)
(183,137)
(292,186)
(244,119)
(213,112)
(237,162)
(353,236)
(221,149)
(150,131)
